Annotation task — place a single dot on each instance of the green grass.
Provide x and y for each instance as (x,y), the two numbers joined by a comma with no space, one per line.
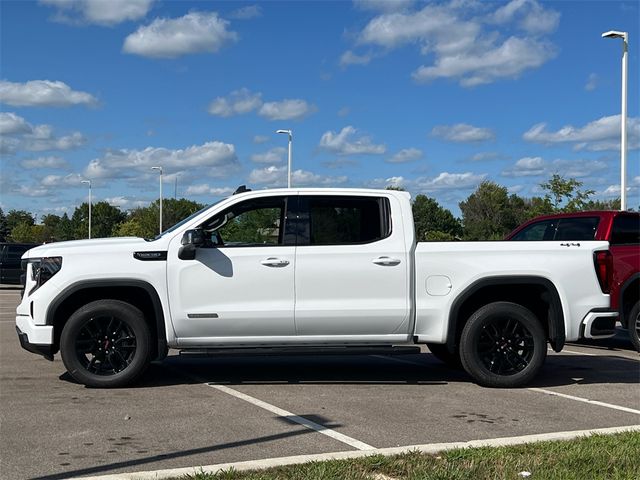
(597,457)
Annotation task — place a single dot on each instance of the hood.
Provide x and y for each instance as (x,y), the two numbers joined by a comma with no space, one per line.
(75,246)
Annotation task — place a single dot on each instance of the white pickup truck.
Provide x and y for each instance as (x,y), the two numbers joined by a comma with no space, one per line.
(307,269)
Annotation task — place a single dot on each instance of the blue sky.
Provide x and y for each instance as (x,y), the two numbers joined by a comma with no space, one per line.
(433,96)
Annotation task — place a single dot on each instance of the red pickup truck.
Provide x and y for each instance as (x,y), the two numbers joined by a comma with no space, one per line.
(622,231)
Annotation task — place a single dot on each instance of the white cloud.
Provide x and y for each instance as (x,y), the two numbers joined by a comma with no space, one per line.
(219,157)
(236,103)
(274,155)
(530,15)
(33,191)
(206,189)
(406,155)
(125,202)
(19,135)
(527,167)
(347,143)
(101,12)
(195,32)
(486,156)
(578,168)
(382,5)
(42,93)
(273,176)
(246,13)
(509,60)
(450,181)
(462,132)
(71,180)
(44,162)
(344,111)
(261,139)
(11,124)
(477,53)
(351,58)
(288,109)
(592,82)
(601,134)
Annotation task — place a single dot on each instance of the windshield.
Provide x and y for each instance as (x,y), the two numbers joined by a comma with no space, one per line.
(182,222)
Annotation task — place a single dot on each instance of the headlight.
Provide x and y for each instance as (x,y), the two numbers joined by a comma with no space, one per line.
(42,269)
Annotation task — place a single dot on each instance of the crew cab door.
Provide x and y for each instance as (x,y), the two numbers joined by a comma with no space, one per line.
(240,284)
(352,269)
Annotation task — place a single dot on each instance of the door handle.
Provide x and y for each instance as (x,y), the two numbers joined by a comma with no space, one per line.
(386,261)
(274,262)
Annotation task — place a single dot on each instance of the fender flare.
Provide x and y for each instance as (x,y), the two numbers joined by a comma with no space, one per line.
(161,332)
(557,334)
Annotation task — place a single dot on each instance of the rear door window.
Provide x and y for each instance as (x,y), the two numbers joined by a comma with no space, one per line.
(579,228)
(626,230)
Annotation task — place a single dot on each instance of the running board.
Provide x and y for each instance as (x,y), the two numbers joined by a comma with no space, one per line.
(283,351)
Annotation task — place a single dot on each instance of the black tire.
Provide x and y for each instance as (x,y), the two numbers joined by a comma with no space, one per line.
(106,344)
(503,345)
(442,353)
(633,325)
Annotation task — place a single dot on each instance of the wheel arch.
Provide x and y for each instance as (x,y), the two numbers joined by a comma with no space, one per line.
(629,295)
(546,304)
(136,292)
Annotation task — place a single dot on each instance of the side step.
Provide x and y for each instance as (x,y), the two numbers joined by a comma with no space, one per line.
(284,351)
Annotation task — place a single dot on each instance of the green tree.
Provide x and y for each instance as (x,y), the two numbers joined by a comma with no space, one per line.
(613,204)
(433,222)
(143,221)
(23,232)
(14,217)
(490,212)
(64,229)
(4,232)
(105,220)
(565,194)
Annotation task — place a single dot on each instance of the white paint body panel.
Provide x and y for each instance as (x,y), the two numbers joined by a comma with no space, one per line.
(325,294)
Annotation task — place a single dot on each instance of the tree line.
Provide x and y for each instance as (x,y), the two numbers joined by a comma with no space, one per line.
(489,213)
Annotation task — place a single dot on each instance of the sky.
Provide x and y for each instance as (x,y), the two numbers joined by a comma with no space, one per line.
(432,96)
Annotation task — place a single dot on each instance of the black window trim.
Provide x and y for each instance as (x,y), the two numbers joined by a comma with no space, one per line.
(303,213)
(287,219)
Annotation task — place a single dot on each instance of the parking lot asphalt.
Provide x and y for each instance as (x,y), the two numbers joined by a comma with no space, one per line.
(203,411)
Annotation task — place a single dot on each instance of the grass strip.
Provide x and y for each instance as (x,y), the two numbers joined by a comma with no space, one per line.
(613,457)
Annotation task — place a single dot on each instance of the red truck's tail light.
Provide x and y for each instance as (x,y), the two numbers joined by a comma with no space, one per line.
(604,269)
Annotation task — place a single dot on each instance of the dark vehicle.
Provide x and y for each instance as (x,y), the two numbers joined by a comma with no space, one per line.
(622,231)
(10,255)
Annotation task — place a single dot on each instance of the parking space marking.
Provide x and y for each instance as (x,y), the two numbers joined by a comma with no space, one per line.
(585,400)
(431,448)
(290,416)
(564,350)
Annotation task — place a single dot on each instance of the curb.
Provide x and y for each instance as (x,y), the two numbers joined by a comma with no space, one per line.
(298,459)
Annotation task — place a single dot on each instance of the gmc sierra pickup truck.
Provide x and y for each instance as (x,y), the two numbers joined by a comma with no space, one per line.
(307,269)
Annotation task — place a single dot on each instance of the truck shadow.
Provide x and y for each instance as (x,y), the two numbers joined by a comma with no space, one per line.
(420,369)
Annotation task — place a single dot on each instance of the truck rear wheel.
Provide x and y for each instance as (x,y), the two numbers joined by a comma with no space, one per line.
(503,345)
(106,343)
(634,326)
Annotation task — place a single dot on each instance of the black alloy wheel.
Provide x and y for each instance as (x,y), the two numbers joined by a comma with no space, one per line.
(106,343)
(505,346)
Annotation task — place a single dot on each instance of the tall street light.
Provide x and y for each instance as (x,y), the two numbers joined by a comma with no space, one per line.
(623,114)
(160,170)
(290,133)
(89,182)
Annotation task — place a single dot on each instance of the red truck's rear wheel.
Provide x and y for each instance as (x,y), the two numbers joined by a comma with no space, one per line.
(634,326)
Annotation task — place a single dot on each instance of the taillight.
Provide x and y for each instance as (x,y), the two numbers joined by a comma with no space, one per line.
(604,269)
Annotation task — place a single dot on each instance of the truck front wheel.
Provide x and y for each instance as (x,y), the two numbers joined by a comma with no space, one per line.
(106,343)
(503,345)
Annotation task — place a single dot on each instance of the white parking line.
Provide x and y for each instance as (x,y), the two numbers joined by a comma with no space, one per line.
(564,350)
(431,448)
(294,418)
(585,400)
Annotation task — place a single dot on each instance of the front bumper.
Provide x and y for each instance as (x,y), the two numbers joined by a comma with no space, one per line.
(35,338)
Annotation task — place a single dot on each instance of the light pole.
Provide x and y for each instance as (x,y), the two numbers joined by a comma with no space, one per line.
(89,182)
(290,133)
(623,115)
(160,170)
